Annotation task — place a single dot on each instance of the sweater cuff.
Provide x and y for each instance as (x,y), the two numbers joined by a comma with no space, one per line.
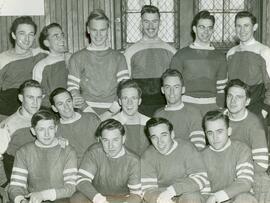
(49,194)
(171,191)
(18,199)
(221,196)
(99,198)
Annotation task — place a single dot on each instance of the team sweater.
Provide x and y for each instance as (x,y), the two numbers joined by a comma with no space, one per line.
(136,139)
(251,64)
(52,170)
(187,123)
(15,68)
(230,170)
(204,72)
(96,74)
(179,171)
(100,174)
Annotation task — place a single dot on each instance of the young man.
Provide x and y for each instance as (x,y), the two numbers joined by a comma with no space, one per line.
(229,163)
(248,128)
(148,59)
(171,170)
(129,97)
(95,71)
(51,72)
(78,128)
(250,62)
(16,64)
(109,172)
(185,118)
(43,170)
(3,179)
(203,68)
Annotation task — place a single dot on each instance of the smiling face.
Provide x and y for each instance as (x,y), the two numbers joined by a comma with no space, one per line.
(56,40)
(245,29)
(203,31)
(130,101)
(150,25)
(98,31)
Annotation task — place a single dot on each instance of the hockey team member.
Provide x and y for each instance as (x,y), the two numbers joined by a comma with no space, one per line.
(95,71)
(17,63)
(43,170)
(204,69)
(250,62)
(185,118)
(129,97)
(51,72)
(171,169)
(148,59)
(248,128)
(78,128)
(108,171)
(229,163)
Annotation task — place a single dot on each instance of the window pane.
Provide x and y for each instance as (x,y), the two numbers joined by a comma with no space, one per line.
(237,4)
(218,29)
(164,5)
(133,27)
(206,4)
(166,29)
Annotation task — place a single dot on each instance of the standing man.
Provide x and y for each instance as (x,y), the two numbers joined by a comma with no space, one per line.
(16,64)
(148,59)
(95,71)
(250,62)
(203,68)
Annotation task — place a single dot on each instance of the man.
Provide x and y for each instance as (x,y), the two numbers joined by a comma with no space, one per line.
(43,170)
(109,172)
(148,59)
(250,62)
(16,64)
(51,72)
(229,163)
(96,70)
(248,128)
(203,68)
(185,118)
(171,170)
(129,97)
(78,128)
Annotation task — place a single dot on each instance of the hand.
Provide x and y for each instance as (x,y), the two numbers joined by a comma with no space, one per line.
(106,115)
(35,197)
(79,102)
(211,199)
(264,113)
(164,198)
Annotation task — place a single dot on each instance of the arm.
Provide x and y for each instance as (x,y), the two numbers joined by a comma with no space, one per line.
(266,78)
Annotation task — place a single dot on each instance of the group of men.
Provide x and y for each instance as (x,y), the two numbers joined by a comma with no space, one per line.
(105,147)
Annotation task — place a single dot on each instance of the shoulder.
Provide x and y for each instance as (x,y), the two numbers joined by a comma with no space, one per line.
(253,120)
(240,147)
(81,53)
(131,156)
(232,50)
(144,119)
(159,112)
(89,116)
(150,153)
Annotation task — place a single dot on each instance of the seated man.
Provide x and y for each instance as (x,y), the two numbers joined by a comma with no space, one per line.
(248,128)
(78,128)
(43,170)
(185,118)
(17,63)
(171,170)
(229,163)
(51,71)
(108,171)
(129,96)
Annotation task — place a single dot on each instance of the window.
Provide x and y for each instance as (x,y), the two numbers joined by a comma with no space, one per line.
(131,20)
(224,12)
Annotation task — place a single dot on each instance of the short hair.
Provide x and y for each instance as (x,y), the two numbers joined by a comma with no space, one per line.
(204,14)
(149,9)
(238,83)
(58,91)
(243,14)
(45,33)
(97,14)
(21,20)
(154,121)
(29,83)
(43,114)
(109,124)
(213,116)
(129,83)
(172,73)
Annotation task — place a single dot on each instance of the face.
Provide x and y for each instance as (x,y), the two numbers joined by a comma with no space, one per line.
(217,133)
(98,31)
(24,36)
(172,88)
(31,99)
(244,29)
(161,138)
(45,131)
(203,31)
(56,41)
(130,101)
(63,104)
(112,142)
(150,25)
(236,100)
